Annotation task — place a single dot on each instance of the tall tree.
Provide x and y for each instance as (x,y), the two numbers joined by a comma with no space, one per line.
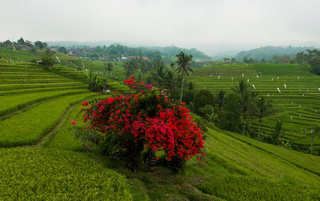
(277,131)
(315,133)
(129,68)
(242,88)
(221,98)
(254,97)
(158,74)
(263,108)
(21,41)
(109,67)
(245,59)
(183,62)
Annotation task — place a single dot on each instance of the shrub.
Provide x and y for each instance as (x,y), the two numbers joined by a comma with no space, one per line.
(144,119)
(203,98)
(187,96)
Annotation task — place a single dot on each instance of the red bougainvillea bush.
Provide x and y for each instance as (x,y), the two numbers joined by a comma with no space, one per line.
(144,119)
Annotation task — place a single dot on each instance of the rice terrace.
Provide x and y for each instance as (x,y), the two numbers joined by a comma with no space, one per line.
(79,129)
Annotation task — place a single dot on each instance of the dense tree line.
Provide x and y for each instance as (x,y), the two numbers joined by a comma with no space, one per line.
(311,58)
(269,52)
(173,51)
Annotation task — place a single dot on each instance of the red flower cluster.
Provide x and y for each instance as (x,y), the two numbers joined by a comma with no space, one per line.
(150,118)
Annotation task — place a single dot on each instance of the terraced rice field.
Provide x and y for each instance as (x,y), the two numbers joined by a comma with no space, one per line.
(41,160)
(36,104)
(297,105)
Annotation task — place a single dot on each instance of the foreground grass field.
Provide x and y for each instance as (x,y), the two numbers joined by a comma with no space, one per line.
(297,105)
(51,164)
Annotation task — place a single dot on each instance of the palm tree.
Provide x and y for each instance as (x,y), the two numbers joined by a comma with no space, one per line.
(183,62)
(159,73)
(277,131)
(192,85)
(170,80)
(245,103)
(129,68)
(254,97)
(263,108)
(212,116)
(221,97)
(173,66)
(242,88)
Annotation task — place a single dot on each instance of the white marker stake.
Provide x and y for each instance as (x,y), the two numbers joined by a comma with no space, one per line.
(277,78)
(255,87)
(285,86)
(272,79)
(291,117)
(242,75)
(219,77)
(248,80)
(298,78)
(299,105)
(257,76)
(268,95)
(232,79)
(279,90)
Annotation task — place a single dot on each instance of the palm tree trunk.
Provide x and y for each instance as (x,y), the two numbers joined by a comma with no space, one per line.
(259,130)
(181,88)
(249,122)
(244,125)
(244,121)
(312,141)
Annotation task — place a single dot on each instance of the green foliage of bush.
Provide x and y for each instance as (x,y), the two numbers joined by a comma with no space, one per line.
(51,174)
(232,112)
(187,96)
(203,98)
(255,188)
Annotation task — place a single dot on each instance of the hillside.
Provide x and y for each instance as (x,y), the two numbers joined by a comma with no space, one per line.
(42,160)
(297,105)
(269,52)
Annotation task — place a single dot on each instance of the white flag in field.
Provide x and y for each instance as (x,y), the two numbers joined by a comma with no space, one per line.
(279,90)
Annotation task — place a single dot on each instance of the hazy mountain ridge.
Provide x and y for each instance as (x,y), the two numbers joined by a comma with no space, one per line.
(268,52)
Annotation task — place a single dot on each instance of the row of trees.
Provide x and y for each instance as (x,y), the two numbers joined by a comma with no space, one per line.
(275,59)
(311,58)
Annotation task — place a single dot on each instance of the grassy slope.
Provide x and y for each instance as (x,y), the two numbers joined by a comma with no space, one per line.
(291,102)
(230,171)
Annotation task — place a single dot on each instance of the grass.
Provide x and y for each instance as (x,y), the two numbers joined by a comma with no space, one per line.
(292,101)
(26,128)
(65,140)
(235,168)
(51,174)
(19,101)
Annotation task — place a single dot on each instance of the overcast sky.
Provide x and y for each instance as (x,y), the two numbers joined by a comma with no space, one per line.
(208,25)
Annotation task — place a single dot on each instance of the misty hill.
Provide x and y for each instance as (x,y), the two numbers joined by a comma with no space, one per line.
(165,51)
(174,50)
(268,52)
